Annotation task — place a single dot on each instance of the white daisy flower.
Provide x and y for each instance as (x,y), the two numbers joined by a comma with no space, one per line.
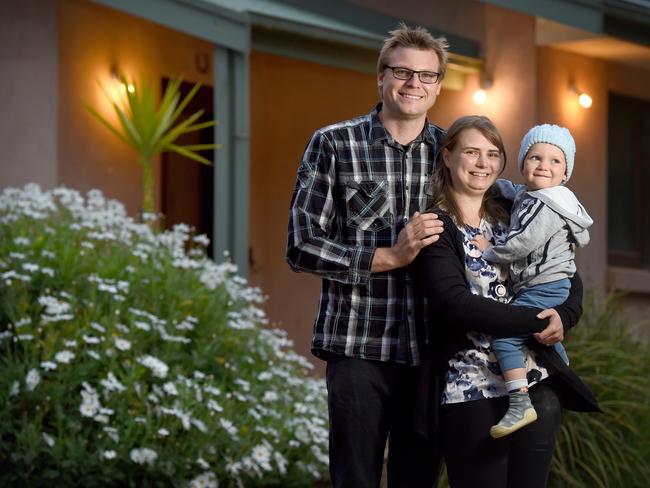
(262,455)
(49,440)
(122,344)
(88,339)
(48,365)
(64,357)
(157,367)
(109,454)
(170,388)
(143,455)
(32,379)
(205,480)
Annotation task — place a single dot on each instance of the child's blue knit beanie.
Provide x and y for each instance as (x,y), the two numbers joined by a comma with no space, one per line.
(550,134)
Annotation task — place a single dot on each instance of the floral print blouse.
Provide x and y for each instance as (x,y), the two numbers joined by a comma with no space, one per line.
(474,373)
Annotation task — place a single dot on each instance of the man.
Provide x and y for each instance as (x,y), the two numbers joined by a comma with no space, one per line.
(355,221)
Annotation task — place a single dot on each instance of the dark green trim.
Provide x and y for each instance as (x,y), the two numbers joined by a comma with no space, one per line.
(627,21)
(348,57)
(378,24)
(293,27)
(223,220)
(232,159)
(194,17)
(583,14)
(316,51)
(616,18)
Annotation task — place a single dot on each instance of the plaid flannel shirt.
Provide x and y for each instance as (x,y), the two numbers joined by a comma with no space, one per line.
(356,188)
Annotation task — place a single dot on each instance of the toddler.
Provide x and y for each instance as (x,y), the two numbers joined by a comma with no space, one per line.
(547,220)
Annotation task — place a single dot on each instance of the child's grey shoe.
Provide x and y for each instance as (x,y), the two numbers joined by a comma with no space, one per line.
(520,413)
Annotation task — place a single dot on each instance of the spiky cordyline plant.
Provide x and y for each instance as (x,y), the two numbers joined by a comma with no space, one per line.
(610,449)
(149,127)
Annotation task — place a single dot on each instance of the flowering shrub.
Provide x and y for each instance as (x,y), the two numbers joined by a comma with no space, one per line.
(130,358)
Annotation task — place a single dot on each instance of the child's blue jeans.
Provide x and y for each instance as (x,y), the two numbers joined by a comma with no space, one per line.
(547,295)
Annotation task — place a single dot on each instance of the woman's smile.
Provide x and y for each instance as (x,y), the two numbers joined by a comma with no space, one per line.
(473,163)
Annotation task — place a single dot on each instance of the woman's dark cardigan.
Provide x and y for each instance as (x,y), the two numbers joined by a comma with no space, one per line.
(439,274)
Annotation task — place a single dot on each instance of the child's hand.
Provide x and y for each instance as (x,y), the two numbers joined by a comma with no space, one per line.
(481,242)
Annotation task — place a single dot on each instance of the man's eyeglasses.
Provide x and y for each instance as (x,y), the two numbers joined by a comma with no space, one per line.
(427,77)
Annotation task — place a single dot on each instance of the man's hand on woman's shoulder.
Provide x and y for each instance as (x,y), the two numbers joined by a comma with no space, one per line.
(420,231)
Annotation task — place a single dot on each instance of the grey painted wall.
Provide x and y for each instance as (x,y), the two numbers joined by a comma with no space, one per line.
(28,92)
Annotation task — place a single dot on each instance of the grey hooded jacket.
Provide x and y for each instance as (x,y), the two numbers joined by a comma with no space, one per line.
(543,225)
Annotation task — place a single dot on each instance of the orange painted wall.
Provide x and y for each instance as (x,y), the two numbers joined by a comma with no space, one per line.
(510,56)
(589,128)
(290,99)
(93,38)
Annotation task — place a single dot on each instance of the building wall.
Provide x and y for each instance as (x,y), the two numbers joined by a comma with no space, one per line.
(556,104)
(556,70)
(92,40)
(510,63)
(290,99)
(28,92)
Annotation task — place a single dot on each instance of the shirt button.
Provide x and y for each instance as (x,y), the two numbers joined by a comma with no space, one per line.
(500,290)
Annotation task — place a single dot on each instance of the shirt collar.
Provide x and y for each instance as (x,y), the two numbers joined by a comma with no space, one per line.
(377,131)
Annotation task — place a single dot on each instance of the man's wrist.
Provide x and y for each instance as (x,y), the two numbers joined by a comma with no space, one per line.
(384,260)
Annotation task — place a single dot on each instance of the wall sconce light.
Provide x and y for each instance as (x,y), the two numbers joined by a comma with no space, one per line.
(480,95)
(124,86)
(584,99)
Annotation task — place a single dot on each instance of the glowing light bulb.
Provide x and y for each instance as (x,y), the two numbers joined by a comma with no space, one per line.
(585,100)
(479,96)
(130,88)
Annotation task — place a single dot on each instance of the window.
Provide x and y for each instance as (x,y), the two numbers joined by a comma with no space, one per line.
(628,194)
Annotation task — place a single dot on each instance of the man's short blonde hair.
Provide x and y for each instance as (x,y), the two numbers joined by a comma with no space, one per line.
(414,37)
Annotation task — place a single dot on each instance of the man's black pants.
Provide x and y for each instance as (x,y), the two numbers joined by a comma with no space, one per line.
(370,401)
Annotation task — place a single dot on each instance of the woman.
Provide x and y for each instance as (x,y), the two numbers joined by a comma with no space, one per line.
(467,294)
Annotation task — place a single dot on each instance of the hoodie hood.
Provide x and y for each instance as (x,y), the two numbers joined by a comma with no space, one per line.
(564,202)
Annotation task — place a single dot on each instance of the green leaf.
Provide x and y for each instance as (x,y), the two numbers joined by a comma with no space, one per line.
(107,124)
(202,125)
(199,147)
(186,100)
(179,129)
(189,154)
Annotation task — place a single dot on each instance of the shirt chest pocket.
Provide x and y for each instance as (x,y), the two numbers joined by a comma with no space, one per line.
(367,205)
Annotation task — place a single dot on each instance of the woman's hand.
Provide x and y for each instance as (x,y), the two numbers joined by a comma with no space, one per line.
(554,332)
(480,242)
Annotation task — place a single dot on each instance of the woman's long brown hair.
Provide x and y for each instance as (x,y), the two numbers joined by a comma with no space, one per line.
(491,209)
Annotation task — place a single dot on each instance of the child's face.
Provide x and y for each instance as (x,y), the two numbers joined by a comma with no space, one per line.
(544,166)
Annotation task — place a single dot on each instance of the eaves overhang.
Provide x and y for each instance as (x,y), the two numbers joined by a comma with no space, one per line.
(624,19)
(334,32)
(198,18)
